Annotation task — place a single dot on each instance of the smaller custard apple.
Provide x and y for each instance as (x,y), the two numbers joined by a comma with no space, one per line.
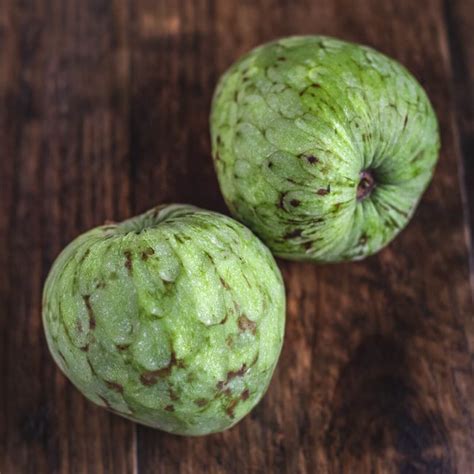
(322,147)
(173,319)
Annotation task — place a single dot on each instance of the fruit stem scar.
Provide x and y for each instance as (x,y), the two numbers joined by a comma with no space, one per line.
(366,184)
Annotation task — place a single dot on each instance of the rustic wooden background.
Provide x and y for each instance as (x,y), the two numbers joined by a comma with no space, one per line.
(104,113)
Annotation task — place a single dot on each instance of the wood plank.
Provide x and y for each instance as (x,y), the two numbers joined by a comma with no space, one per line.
(460,25)
(375,375)
(65,160)
(173,58)
(6,194)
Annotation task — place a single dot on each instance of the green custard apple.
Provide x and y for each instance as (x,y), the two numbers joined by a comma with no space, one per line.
(173,319)
(322,147)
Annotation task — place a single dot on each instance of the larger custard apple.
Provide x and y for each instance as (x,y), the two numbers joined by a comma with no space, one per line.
(322,147)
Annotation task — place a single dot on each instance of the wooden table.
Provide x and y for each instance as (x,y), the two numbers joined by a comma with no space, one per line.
(104,113)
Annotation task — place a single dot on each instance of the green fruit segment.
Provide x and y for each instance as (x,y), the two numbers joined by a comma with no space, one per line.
(174,319)
(299,124)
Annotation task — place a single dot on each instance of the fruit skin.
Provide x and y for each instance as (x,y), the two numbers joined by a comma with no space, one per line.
(173,319)
(301,126)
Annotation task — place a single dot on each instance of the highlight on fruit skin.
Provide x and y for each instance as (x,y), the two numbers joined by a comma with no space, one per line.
(322,147)
(173,319)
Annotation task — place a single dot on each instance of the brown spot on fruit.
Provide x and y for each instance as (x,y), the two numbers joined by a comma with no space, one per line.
(231,407)
(323,191)
(221,386)
(229,341)
(295,202)
(292,234)
(90,312)
(245,394)
(148,378)
(84,348)
(224,283)
(201,402)
(128,260)
(312,159)
(148,252)
(281,201)
(169,408)
(236,373)
(225,319)
(151,377)
(122,347)
(114,386)
(246,324)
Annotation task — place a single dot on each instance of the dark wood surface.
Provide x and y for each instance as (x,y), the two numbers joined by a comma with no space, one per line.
(104,113)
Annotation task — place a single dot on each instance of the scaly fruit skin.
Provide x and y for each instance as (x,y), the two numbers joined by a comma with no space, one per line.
(173,319)
(322,147)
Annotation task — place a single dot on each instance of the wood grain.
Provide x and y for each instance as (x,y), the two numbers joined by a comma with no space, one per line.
(104,113)
(460,26)
(64,158)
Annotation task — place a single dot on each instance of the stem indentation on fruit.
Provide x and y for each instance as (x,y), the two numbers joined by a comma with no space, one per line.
(366,184)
